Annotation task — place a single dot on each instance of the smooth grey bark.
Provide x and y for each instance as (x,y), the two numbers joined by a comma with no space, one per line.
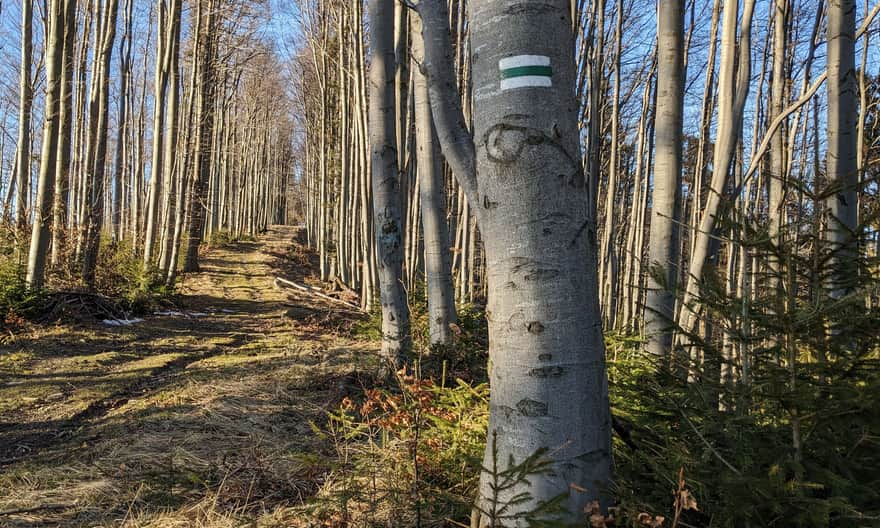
(608,251)
(26,100)
(841,155)
(547,356)
(386,183)
(151,228)
(202,170)
(36,270)
(171,137)
(63,165)
(182,208)
(596,130)
(432,190)
(863,104)
(97,158)
(733,88)
(776,214)
(631,277)
(122,124)
(137,175)
(706,111)
(663,246)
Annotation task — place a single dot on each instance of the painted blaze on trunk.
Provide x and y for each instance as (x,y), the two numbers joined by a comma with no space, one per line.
(547,372)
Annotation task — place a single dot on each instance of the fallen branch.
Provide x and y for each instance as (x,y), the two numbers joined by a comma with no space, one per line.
(314,291)
(345,289)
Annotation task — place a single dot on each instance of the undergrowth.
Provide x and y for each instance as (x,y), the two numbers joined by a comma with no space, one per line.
(121,281)
(225,238)
(791,440)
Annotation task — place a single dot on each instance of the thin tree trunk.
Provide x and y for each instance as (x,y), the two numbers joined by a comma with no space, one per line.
(666,194)
(160,101)
(841,156)
(171,137)
(26,100)
(386,184)
(122,123)
(39,247)
(608,261)
(202,169)
(97,167)
(778,173)
(438,268)
(733,86)
(63,166)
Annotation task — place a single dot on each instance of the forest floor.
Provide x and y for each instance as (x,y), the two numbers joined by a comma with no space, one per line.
(198,417)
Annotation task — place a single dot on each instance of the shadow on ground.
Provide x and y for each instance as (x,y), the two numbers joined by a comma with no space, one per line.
(180,419)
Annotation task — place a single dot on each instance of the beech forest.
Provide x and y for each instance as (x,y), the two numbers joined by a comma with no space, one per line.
(439,263)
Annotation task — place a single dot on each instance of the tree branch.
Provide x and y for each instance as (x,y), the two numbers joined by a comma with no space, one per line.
(456,141)
(795,106)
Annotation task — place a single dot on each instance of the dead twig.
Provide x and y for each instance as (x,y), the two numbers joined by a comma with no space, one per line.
(32,509)
(279,282)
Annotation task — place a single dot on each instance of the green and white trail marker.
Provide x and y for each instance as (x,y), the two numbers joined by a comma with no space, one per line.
(522,71)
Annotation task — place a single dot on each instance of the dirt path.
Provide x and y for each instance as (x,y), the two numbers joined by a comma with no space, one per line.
(184,419)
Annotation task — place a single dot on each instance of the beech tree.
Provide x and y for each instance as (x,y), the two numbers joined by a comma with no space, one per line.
(842,166)
(167,33)
(432,195)
(40,235)
(522,171)
(95,183)
(26,95)
(697,175)
(663,246)
(733,88)
(385,180)
(207,24)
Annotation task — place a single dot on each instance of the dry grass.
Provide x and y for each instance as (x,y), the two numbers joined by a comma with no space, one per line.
(196,422)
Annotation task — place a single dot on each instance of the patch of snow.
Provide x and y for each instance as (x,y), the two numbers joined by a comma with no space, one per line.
(122,322)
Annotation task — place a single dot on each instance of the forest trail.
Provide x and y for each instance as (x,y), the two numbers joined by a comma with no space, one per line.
(185,418)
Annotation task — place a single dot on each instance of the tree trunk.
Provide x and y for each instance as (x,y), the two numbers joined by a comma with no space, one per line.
(63,172)
(156,177)
(97,166)
(386,183)
(527,186)
(171,137)
(202,169)
(608,251)
(26,100)
(777,174)
(36,270)
(841,163)
(122,123)
(733,87)
(666,195)
(432,187)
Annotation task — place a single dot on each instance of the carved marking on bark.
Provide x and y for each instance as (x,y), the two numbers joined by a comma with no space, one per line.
(535,327)
(534,269)
(531,408)
(546,372)
(530,8)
